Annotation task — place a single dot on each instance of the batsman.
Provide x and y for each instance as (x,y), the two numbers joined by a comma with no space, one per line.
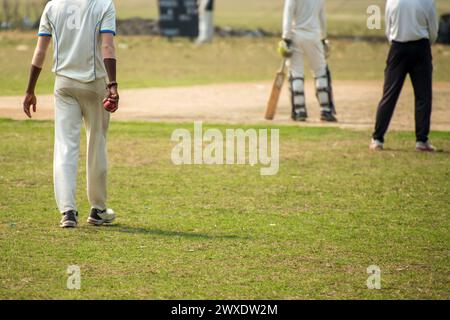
(304,38)
(83,60)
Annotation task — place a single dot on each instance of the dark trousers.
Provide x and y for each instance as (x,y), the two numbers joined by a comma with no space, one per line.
(413,58)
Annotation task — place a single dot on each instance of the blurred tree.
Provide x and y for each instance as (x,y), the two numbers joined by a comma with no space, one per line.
(6,15)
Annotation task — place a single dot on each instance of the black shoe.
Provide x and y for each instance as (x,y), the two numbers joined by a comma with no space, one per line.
(69,219)
(299,115)
(99,217)
(328,117)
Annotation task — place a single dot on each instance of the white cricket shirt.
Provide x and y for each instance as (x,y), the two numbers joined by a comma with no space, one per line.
(411,20)
(75,26)
(306,16)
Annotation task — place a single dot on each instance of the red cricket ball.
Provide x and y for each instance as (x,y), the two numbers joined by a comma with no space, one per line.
(108,105)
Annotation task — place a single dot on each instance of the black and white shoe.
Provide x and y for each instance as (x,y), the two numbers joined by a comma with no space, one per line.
(299,114)
(327,116)
(69,219)
(100,217)
(425,147)
(376,145)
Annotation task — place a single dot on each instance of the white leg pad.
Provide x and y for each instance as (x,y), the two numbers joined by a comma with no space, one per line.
(298,92)
(323,93)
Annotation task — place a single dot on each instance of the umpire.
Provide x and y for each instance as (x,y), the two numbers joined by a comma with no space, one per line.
(411,27)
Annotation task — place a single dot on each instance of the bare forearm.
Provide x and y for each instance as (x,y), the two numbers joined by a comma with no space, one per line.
(36,68)
(109,50)
(109,56)
(39,58)
(34,76)
(111,69)
(37,62)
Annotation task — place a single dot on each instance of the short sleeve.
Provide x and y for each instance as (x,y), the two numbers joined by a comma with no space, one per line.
(45,26)
(108,24)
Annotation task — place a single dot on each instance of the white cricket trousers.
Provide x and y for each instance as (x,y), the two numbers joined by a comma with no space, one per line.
(307,46)
(76,102)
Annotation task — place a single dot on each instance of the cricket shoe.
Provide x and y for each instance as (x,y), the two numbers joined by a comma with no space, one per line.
(376,145)
(100,217)
(328,117)
(425,147)
(69,219)
(299,115)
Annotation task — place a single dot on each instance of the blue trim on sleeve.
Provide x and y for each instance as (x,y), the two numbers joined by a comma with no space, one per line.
(42,34)
(108,31)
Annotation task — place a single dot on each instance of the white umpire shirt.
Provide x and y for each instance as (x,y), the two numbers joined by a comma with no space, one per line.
(306,16)
(75,26)
(411,20)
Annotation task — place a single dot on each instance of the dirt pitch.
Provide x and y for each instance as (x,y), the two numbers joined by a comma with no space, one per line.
(244,103)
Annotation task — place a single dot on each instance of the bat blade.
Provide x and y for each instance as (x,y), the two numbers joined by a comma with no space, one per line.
(275,94)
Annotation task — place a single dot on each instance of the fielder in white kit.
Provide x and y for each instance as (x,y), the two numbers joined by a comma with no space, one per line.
(304,37)
(84,57)
(206,21)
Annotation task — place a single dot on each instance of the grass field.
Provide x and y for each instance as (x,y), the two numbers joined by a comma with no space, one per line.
(155,62)
(345,16)
(224,231)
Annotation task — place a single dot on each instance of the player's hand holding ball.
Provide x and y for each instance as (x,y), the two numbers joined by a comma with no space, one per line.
(285,48)
(111,102)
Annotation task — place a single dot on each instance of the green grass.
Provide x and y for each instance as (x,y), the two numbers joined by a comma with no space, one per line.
(224,231)
(156,62)
(346,17)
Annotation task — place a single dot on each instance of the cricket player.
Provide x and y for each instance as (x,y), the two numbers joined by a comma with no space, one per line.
(304,37)
(206,23)
(411,27)
(83,60)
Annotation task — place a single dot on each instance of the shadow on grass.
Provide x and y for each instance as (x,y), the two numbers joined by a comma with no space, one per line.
(414,151)
(168,233)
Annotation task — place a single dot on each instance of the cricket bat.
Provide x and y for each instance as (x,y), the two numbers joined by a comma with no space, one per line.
(276,91)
